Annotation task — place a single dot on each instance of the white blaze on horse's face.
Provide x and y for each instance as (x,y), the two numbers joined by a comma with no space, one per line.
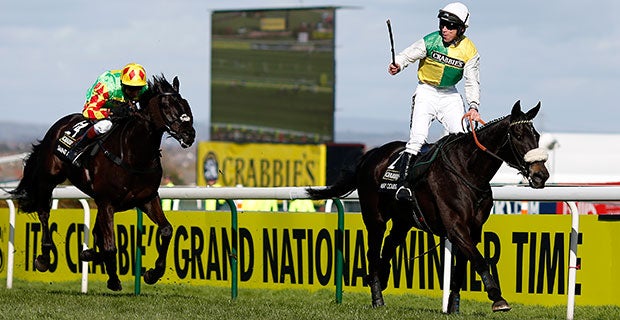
(185,118)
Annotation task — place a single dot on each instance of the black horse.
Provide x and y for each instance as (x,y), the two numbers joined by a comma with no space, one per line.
(453,196)
(125,173)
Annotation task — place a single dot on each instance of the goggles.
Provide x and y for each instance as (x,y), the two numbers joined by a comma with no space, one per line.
(449,25)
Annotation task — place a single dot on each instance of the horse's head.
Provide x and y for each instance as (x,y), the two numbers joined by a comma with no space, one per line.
(170,112)
(523,140)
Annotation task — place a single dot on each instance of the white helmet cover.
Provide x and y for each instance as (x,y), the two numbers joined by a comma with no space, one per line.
(456,9)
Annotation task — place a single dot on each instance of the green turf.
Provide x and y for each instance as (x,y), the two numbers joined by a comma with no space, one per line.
(63,301)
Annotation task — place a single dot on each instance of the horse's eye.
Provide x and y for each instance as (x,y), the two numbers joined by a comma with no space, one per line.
(517,133)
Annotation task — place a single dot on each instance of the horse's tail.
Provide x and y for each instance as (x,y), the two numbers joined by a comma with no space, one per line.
(25,193)
(345,184)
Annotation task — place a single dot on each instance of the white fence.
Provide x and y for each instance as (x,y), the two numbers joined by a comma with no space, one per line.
(500,193)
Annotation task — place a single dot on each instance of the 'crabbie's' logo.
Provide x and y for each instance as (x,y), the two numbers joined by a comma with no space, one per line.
(447,60)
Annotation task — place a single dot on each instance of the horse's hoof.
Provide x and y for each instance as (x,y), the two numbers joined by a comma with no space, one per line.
(115,285)
(454,303)
(151,276)
(375,292)
(42,263)
(501,305)
(88,255)
(378,303)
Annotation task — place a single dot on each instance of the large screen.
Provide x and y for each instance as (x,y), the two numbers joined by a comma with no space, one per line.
(272,75)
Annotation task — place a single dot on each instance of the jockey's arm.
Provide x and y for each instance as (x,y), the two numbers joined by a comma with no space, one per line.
(96,99)
(471,75)
(94,108)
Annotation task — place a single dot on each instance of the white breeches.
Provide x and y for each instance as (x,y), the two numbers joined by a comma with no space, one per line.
(430,103)
(102,126)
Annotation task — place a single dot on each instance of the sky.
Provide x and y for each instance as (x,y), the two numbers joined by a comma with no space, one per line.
(564,54)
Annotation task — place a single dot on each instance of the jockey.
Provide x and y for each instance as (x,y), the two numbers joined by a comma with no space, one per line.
(445,57)
(112,96)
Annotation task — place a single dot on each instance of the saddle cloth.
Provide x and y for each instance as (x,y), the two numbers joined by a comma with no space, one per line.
(67,141)
(417,169)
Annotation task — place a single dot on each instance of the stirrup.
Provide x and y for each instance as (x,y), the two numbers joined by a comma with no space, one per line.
(77,159)
(403,194)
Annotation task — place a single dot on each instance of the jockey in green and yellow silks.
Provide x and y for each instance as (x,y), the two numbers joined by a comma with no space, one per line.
(445,57)
(443,66)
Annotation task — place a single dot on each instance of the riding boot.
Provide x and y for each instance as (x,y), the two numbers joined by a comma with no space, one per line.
(403,193)
(76,151)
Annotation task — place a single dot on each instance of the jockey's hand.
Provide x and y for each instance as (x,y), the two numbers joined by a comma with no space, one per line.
(473,115)
(119,110)
(393,68)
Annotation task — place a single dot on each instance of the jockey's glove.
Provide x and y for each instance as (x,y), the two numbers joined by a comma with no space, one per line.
(119,109)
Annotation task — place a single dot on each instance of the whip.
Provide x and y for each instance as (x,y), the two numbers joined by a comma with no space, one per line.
(389,25)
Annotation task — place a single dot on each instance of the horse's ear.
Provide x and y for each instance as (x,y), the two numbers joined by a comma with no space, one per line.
(175,83)
(532,113)
(516,110)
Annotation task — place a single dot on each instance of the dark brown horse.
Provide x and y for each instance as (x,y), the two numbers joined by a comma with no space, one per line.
(453,196)
(125,173)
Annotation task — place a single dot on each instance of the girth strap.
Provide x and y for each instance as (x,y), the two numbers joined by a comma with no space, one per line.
(418,216)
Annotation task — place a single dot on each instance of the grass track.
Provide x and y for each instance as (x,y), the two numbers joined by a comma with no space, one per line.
(63,301)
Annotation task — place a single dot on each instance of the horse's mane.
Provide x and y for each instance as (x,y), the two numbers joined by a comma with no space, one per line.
(478,130)
(158,84)
(451,139)
(491,123)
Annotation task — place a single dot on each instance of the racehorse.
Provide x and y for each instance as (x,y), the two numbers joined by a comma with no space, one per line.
(452,196)
(125,173)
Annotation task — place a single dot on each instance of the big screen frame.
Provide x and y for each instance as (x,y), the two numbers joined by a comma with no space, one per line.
(273,75)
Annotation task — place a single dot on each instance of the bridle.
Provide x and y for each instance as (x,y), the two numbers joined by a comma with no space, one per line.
(168,124)
(521,164)
(160,121)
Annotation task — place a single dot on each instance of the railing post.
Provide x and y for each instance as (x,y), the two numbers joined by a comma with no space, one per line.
(339,249)
(138,265)
(233,253)
(11,249)
(86,208)
(447,273)
(572,260)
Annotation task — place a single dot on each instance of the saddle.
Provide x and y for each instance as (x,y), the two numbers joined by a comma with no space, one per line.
(68,141)
(418,168)
(417,172)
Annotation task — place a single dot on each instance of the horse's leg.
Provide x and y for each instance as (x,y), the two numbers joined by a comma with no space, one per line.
(375,226)
(91,254)
(397,235)
(456,280)
(156,214)
(42,262)
(44,206)
(107,243)
(462,238)
(375,238)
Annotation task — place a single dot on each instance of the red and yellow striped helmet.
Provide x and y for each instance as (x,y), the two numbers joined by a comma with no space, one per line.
(133,74)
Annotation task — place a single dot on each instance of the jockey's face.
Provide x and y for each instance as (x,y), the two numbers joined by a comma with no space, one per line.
(132,92)
(449,31)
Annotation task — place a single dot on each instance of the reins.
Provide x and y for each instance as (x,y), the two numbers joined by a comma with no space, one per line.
(522,169)
(425,253)
(118,160)
(471,125)
(473,132)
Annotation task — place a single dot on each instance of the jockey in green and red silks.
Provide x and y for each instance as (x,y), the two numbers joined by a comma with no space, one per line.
(118,85)
(112,96)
